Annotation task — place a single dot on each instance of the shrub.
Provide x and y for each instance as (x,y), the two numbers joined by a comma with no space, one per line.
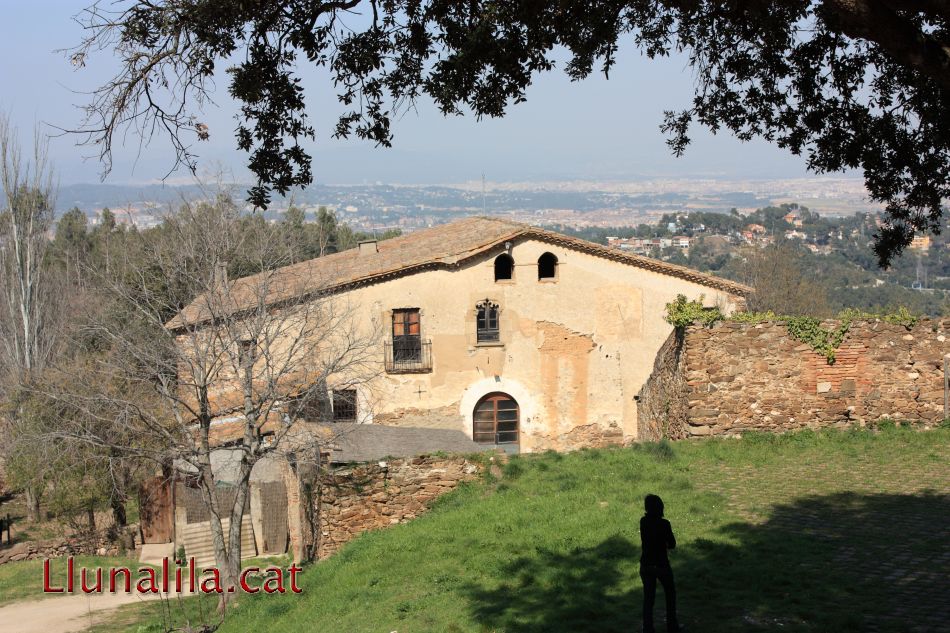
(682,312)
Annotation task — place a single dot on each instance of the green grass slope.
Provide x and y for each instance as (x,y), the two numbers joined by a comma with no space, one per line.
(832,531)
(23,580)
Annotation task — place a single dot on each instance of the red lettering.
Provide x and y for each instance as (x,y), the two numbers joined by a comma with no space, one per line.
(246,587)
(113,573)
(47,587)
(278,576)
(215,580)
(147,575)
(293,578)
(82,581)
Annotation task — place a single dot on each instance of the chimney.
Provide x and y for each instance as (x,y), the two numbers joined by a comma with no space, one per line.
(369,247)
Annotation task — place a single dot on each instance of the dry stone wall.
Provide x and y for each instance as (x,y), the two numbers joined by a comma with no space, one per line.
(59,547)
(662,401)
(741,377)
(371,496)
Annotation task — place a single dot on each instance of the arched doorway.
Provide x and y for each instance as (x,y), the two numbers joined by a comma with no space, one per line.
(496,420)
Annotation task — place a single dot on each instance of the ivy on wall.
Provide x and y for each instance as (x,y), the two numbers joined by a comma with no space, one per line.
(806,329)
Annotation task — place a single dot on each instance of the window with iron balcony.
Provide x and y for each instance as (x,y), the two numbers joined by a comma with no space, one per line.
(407,352)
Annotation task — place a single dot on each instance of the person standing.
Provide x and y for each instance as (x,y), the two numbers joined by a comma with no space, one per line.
(656,538)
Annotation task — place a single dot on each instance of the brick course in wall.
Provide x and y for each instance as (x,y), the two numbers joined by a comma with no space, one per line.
(742,377)
(369,496)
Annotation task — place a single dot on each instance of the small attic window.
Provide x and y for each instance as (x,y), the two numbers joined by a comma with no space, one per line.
(547,267)
(504,267)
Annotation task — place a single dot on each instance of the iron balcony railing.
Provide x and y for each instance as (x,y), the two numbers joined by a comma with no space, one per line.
(408,355)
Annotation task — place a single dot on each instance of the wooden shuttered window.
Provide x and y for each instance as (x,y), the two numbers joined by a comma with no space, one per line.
(407,335)
(495,420)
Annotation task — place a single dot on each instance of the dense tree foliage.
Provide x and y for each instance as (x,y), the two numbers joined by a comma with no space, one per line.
(848,84)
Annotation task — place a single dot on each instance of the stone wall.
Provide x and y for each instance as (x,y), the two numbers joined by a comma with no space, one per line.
(586,436)
(742,377)
(58,547)
(662,402)
(369,496)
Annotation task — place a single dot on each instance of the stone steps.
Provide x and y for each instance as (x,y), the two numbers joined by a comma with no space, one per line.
(197,539)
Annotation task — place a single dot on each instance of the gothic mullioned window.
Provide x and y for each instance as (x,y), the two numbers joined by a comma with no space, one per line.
(486,322)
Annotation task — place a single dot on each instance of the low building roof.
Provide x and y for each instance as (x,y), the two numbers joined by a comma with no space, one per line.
(373,442)
(444,246)
(346,443)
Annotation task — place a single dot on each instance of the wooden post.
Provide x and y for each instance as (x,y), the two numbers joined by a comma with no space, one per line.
(1,531)
(9,522)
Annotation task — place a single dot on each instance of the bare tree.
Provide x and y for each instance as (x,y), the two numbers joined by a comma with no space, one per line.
(28,199)
(28,299)
(782,282)
(197,360)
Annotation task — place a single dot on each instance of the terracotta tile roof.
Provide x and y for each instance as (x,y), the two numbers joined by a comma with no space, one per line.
(445,246)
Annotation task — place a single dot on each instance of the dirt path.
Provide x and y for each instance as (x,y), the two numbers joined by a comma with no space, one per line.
(68,614)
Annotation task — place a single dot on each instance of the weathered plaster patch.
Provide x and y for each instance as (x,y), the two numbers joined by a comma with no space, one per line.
(435,418)
(564,375)
(618,310)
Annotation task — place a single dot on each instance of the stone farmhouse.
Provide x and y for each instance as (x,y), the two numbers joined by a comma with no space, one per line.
(489,335)
(517,337)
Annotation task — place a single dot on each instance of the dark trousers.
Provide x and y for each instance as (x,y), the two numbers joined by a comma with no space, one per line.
(650,574)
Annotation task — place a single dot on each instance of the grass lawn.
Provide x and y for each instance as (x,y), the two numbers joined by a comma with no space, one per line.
(822,532)
(23,580)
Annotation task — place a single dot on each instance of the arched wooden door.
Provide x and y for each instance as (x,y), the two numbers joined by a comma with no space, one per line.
(496,420)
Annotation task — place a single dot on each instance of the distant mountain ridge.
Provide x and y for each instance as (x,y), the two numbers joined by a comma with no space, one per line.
(94,196)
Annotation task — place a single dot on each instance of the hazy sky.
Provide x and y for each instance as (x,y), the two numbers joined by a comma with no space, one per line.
(591,129)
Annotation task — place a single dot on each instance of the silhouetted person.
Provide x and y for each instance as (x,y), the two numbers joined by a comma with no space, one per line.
(656,537)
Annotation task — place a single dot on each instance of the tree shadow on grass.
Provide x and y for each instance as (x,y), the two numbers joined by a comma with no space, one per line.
(843,562)
(585,589)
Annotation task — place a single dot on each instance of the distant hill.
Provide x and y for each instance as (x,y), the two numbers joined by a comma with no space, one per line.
(91,197)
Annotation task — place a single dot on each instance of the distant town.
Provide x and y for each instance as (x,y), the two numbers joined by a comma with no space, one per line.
(706,224)
(576,203)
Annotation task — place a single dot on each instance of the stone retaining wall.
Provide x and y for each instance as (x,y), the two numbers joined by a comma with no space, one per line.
(370,496)
(662,401)
(741,377)
(56,548)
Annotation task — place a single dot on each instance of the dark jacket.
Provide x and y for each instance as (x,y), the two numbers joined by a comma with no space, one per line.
(656,537)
